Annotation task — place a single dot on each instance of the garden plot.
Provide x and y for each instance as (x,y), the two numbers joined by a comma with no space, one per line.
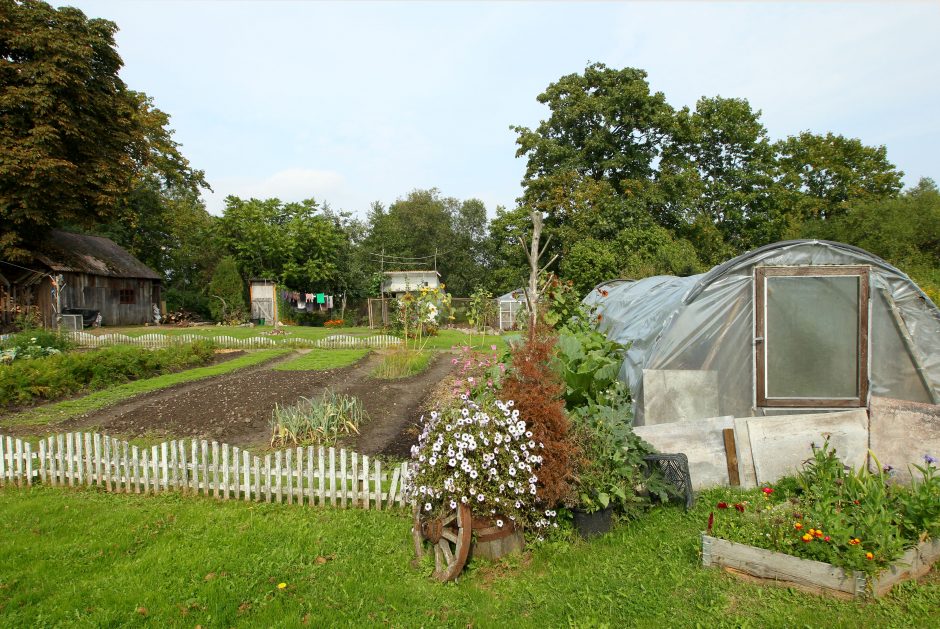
(236,408)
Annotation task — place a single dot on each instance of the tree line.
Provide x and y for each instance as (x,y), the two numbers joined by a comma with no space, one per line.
(628,185)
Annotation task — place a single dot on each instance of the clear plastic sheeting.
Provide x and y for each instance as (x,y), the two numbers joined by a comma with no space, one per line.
(707,322)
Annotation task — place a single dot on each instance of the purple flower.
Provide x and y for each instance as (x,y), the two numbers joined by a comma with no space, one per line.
(929,460)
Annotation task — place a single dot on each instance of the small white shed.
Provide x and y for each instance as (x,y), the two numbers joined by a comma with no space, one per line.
(510,305)
(263,296)
(398,283)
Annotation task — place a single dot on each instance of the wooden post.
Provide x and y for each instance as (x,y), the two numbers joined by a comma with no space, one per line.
(731,457)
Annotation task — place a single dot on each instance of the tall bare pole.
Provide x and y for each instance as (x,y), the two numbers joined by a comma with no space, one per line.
(534,254)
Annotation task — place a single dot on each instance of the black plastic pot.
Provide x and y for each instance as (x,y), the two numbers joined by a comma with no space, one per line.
(593,524)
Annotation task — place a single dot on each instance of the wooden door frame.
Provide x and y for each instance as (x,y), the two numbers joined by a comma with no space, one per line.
(761,273)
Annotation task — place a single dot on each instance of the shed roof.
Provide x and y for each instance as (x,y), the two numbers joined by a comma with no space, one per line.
(67,252)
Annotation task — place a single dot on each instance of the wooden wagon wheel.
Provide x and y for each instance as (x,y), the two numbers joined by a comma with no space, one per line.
(450,537)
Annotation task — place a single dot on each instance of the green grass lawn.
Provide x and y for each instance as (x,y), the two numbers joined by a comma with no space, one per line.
(60,411)
(86,558)
(323,359)
(445,339)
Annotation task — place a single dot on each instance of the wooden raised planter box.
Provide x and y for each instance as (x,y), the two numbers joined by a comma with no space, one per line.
(816,576)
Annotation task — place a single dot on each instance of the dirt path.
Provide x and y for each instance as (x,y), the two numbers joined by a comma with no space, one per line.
(395,407)
(235,408)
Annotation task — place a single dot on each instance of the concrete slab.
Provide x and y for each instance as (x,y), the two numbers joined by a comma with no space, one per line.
(671,395)
(742,446)
(780,445)
(903,432)
(701,441)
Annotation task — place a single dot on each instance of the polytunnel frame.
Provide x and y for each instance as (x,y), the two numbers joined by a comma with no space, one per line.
(770,255)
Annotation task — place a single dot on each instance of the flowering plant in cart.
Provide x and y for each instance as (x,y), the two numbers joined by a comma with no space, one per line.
(478,453)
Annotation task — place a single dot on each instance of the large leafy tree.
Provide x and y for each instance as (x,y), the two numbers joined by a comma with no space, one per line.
(298,244)
(74,140)
(415,229)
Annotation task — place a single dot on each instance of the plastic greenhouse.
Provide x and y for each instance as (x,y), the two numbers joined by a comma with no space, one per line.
(789,327)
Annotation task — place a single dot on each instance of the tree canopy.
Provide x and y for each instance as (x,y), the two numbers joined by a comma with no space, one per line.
(74,140)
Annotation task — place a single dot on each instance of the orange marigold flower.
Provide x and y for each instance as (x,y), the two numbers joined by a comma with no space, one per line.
(855,542)
(807,538)
(798,526)
(818,533)
(869,556)
(812,531)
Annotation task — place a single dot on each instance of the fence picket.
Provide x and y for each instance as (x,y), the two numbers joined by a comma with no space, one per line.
(257,466)
(184,467)
(154,469)
(135,468)
(99,469)
(354,497)
(107,462)
(28,451)
(174,465)
(290,476)
(332,476)
(145,463)
(205,467)
(42,461)
(215,469)
(164,467)
(310,475)
(393,487)
(321,481)
(89,461)
(366,492)
(378,484)
(194,458)
(18,471)
(246,461)
(225,476)
(79,460)
(236,479)
(299,473)
(267,478)
(404,480)
(125,461)
(3,463)
(342,475)
(277,476)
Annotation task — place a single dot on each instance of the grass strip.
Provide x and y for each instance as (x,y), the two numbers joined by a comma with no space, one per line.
(323,359)
(401,363)
(61,411)
(187,561)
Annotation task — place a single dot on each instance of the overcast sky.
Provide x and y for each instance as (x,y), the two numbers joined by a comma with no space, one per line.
(356,102)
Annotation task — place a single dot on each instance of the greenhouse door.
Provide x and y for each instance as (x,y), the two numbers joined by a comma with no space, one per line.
(811,336)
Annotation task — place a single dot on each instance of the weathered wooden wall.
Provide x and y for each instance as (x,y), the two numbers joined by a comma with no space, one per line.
(97,292)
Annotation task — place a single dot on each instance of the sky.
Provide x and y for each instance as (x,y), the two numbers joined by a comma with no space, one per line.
(355,102)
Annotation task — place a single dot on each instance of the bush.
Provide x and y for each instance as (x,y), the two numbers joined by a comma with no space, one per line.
(227,293)
(34,343)
(60,375)
(537,390)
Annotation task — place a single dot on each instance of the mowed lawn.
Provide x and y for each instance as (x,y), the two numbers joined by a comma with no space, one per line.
(87,558)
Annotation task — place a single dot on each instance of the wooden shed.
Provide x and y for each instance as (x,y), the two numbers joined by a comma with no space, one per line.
(80,272)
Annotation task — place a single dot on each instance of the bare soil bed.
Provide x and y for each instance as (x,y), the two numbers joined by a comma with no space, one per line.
(235,408)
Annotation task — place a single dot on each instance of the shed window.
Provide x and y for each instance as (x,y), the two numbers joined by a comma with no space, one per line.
(127,296)
(811,329)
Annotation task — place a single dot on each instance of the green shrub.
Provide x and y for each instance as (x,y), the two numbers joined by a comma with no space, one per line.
(227,293)
(61,375)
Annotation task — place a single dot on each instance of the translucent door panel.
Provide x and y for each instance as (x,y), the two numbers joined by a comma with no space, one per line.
(812,337)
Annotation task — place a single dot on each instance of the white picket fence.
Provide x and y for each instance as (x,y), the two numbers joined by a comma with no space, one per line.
(335,341)
(303,475)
